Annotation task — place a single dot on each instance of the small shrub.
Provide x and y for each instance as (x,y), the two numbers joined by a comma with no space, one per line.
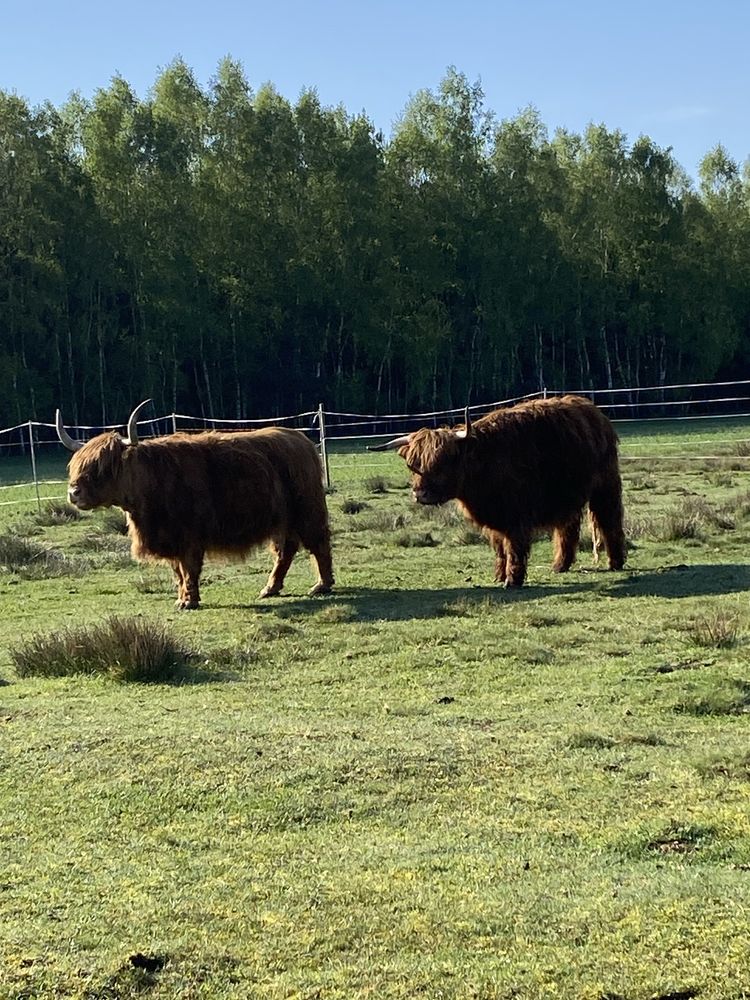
(113,520)
(721,697)
(102,543)
(720,630)
(353,506)
(682,839)
(34,561)
(469,535)
(376,484)
(737,768)
(445,515)
(336,613)
(153,583)
(384,521)
(57,512)
(590,741)
(125,649)
(415,540)
(679,525)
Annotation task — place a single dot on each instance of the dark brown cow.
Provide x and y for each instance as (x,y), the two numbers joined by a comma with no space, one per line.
(525,469)
(191,495)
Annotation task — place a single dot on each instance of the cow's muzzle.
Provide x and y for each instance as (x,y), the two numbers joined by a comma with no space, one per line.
(77,499)
(428,498)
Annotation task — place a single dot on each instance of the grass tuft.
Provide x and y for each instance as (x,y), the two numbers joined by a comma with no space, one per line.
(720,630)
(124,649)
(681,838)
(353,506)
(56,512)
(415,540)
(469,535)
(737,768)
(33,561)
(376,484)
(114,521)
(721,697)
(586,740)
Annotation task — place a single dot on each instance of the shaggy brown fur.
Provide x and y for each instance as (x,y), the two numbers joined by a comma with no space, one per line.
(524,469)
(192,495)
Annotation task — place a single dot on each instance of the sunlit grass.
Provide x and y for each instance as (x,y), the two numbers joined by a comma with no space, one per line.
(421,786)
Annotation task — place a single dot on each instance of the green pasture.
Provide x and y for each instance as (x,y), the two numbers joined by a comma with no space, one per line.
(420,786)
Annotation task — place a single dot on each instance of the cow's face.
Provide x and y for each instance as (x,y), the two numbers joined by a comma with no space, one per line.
(94,472)
(434,457)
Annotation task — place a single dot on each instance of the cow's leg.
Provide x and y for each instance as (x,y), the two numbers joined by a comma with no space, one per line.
(321,555)
(605,506)
(596,538)
(284,550)
(517,549)
(565,538)
(497,541)
(320,550)
(188,571)
(180,579)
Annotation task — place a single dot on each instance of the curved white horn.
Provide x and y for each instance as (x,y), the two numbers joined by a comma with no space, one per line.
(131,437)
(467,430)
(65,438)
(398,442)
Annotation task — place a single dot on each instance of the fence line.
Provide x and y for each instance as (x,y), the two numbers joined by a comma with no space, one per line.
(329,426)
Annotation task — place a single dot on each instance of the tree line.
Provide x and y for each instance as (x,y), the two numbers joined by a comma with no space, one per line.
(230,253)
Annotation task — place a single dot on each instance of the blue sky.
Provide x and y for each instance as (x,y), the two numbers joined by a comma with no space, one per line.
(676,71)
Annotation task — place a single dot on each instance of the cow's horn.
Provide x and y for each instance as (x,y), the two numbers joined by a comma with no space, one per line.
(65,438)
(398,442)
(467,430)
(131,438)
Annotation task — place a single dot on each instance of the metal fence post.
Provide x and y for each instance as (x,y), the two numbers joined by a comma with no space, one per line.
(323,448)
(33,466)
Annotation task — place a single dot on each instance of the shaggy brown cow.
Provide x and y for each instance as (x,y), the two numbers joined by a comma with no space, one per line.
(189,495)
(525,469)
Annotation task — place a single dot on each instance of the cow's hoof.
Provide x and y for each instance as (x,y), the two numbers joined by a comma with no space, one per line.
(187,605)
(320,588)
(270,592)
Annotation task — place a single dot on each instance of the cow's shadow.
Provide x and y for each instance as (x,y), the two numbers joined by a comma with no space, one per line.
(699,580)
(383,604)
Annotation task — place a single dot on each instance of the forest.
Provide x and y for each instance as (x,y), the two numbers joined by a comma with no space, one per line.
(230,253)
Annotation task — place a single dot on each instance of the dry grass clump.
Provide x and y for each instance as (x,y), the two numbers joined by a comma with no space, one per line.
(124,649)
(720,630)
(113,520)
(33,561)
(467,534)
(415,540)
(353,506)
(57,512)
(692,520)
(376,484)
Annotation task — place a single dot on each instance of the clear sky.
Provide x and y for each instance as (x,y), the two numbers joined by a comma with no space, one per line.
(676,70)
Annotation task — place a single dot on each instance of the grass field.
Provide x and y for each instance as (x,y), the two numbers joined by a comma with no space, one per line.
(421,786)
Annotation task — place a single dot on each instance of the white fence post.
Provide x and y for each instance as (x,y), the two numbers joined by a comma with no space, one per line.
(323,449)
(33,466)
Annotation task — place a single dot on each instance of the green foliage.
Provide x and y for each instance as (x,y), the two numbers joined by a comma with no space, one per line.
(211,248)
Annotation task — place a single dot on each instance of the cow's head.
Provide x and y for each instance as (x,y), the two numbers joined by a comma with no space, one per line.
(436,460)
(95,470)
